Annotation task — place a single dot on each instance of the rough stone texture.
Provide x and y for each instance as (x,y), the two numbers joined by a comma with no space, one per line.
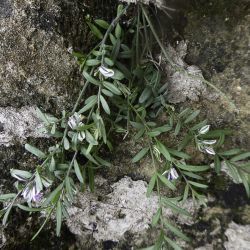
(35,67)
(123,216)
(16,125)
(218,35)
(238,237)
(185,83)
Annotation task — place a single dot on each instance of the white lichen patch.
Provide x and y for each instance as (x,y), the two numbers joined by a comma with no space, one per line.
(185,81)
(18,124)
(124,210)
(238,237)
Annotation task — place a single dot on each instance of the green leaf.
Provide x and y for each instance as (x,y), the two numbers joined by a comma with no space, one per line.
(156,217)
(52,166)
(42,116)
(112,88)
(105,105)
(88,106)
(102,161)
(217,164)
(192,175)
(30,209)
(108,61)
(240,157)
(177,128)
(20,174)
(95,31)
(196,184)
(90,139)
(154,133)
(151,184)
(38,181)
(186,191)
(53,196)
(112,39)
(90,79)
(89,156)
(4,197)
(199,125)
(103,24)
(118,75)
(92,62)
(145,95)
(172,243)
(185,141)
(107,93)
(216,133)
(164,151)
(176,231)
(35,151)
(179,154)
(139,134)
(233,171)
(140,155)
(174,207)
(58,218)
(163,129)
(166,182)
(231,152)
(6,215)
(69,188)
(192,168)
(118,31)
(192,116)
(66,143)
(245,181)
(78,171)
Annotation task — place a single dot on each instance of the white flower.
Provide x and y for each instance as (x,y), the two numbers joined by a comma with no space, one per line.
(209,142)
(209,150)
(106,72)
(172,174)
(81,136)
(74,120)
(204,129)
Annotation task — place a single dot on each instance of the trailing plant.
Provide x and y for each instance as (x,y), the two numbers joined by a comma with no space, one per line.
(123,93)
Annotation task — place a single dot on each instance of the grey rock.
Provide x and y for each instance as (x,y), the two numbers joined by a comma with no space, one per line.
(238,237)
(18,125)
(5,8)
(35,67)
(126,210)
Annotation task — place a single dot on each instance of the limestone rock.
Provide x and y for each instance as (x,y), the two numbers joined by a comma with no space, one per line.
(238,237)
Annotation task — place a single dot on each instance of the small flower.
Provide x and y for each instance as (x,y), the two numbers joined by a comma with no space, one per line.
(74,120)
(204,129)
(81,136)
(209,142)
(106,72)
(31,194)
(171,174)
(209,150)
(202,146)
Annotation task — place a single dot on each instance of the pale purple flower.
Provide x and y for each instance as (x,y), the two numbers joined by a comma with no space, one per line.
(31,194)
(171,174)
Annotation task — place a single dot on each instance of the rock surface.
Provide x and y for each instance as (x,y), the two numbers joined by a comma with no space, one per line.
(122,216)
(16,125)
(238,237)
